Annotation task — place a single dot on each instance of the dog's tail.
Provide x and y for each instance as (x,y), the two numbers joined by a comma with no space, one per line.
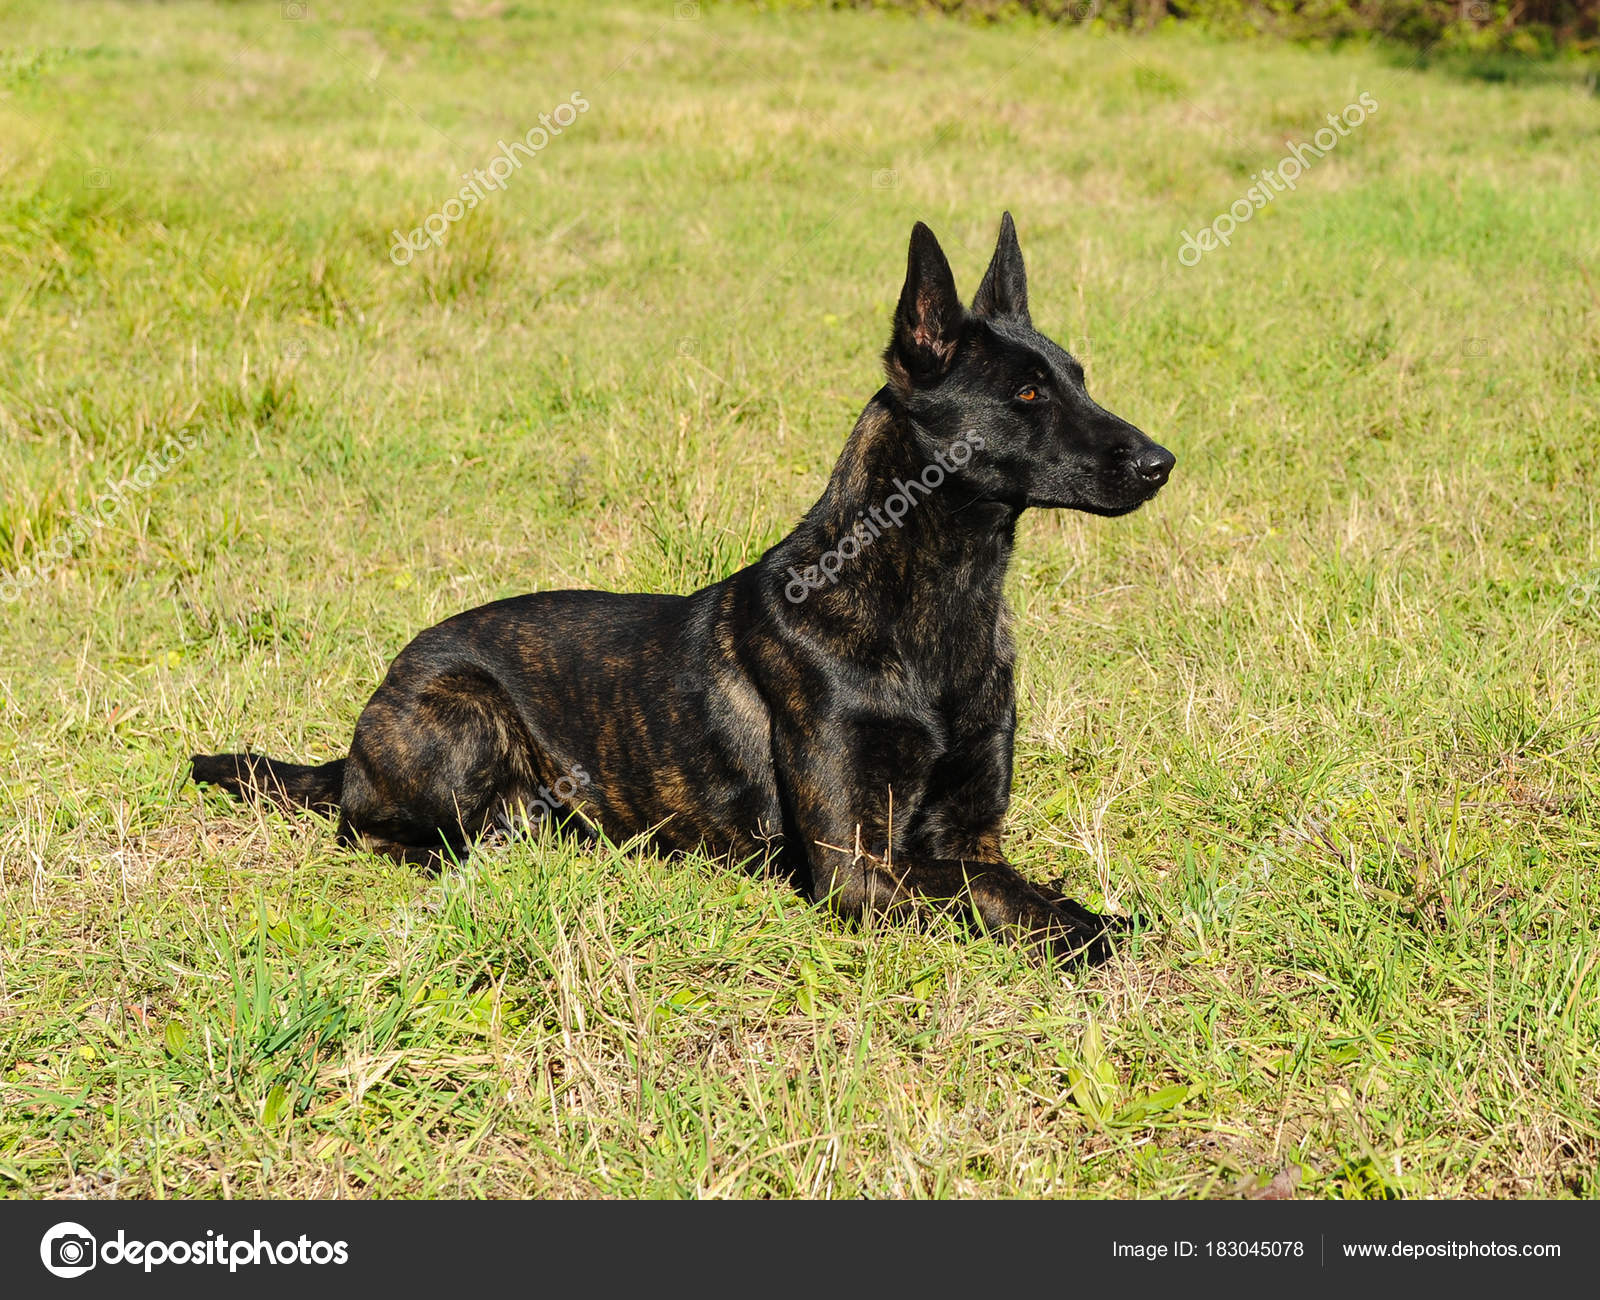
(289,785)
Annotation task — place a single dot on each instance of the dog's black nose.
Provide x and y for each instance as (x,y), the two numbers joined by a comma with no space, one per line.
(1154,465)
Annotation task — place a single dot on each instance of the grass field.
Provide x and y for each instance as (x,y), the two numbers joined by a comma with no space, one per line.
(1327,712)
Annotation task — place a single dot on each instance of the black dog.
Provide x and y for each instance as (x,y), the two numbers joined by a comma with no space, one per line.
(843,706)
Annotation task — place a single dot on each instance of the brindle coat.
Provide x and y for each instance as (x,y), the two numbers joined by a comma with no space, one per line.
(844,706)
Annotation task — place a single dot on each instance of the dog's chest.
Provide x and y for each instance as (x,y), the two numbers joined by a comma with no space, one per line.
(969,642)
(968,677)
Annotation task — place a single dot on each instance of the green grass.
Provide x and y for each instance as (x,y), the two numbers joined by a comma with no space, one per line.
(1326,712)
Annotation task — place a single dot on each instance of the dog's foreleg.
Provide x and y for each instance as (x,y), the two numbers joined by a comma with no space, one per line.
(993,896)
(863,862)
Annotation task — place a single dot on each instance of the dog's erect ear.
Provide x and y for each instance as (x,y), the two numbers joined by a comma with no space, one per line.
(927,323)
(1004,291)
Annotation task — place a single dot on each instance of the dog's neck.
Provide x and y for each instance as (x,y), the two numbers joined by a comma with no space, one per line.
(897,540)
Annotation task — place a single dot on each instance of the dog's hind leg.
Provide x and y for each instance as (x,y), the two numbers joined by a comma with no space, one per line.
(431,857)
(434,763)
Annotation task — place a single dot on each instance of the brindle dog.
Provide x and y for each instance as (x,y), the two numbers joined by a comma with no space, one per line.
(843,707)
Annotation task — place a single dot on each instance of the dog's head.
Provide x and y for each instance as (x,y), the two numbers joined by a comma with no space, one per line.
(1006,406)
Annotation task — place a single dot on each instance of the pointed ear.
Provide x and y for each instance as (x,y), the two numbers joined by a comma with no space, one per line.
(927,323)
(1004,291)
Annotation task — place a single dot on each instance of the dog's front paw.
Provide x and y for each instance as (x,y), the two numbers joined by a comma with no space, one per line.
(1079,936)
(1131,923)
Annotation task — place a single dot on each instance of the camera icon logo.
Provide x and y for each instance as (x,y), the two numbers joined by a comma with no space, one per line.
(68,1250)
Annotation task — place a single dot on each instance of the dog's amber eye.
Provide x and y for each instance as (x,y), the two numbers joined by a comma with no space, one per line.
(1028,394)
